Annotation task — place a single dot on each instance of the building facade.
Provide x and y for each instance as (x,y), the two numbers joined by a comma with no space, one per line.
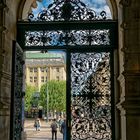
(43,67)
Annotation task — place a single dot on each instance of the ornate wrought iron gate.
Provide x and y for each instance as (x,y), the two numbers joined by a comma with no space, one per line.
(91,96)
(16,92)
(89,41)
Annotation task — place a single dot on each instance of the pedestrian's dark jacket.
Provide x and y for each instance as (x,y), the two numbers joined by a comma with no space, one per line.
(54,126)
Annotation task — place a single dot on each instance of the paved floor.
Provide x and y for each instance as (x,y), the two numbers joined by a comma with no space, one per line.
(43,134)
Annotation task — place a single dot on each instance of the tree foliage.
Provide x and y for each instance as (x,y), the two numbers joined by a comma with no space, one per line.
(57,96)
(30,90)
(43,97)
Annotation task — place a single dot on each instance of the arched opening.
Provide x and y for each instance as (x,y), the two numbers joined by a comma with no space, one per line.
(110,6)
(90,54)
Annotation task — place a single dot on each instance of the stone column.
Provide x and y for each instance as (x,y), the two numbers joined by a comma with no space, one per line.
(129,78)
(8,17)
(4,84)
(2,29)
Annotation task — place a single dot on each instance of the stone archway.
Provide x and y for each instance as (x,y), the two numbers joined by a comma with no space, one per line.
(129,65)
(25,8)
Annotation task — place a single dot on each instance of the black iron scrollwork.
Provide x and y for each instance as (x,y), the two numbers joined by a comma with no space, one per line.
(71,38)
(91,96)
(65,10)
(18,94)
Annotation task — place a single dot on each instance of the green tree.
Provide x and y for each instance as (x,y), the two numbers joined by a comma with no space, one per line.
(43,97)
(30,90)
(57,96)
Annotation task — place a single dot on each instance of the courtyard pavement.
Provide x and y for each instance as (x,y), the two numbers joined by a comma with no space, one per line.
(43,134)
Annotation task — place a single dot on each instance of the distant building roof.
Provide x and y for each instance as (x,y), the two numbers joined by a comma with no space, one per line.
(33,59)
(43,55)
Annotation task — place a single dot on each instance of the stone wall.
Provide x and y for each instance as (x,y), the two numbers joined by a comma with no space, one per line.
(129,64)
(8,18)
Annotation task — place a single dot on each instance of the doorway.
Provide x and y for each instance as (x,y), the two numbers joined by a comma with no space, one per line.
(89,42)
(45,93)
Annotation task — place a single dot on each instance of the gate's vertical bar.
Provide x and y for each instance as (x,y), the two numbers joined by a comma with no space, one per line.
(12,91)
(68,96)
(16,93)
(112,93)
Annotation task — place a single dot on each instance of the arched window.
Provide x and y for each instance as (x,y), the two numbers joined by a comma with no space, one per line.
(69,10)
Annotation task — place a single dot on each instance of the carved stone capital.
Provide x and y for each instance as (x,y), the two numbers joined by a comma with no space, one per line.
(124,25)
(124,49)
(2,28)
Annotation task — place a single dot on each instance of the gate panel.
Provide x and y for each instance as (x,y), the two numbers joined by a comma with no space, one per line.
(16,92)
(91,96)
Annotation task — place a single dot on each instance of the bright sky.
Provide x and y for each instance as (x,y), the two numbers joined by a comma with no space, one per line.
(96,5)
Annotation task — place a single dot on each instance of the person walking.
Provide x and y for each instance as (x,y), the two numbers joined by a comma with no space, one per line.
(63,129)
(54,129)
(59,121)
(37,124)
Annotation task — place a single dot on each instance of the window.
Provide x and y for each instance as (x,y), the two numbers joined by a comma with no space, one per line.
(42,79)
(35,69)
(57,69)
(35,79)
(42,69)
(31,69)
(31,79)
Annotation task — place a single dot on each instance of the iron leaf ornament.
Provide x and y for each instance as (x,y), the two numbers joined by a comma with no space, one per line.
(67,10)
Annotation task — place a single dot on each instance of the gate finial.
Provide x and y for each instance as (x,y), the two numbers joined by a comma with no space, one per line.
(67,10)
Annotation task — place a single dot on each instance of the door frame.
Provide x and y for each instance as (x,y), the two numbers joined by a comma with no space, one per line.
(112,25)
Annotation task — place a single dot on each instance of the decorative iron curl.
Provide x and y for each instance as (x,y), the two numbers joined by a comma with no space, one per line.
(65,10)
